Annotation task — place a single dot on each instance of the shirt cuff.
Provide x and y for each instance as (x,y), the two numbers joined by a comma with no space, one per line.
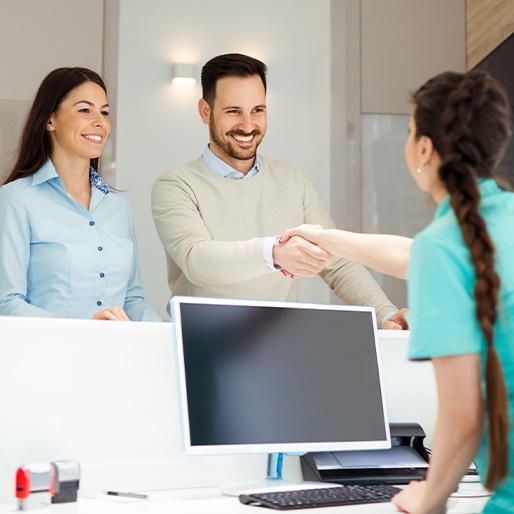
(268,253)
(387,316)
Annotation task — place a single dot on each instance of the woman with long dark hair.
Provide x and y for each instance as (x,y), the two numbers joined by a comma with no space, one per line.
(460,283)
(67,243)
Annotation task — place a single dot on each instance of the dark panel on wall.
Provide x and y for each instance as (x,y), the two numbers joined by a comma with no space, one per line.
(500,64)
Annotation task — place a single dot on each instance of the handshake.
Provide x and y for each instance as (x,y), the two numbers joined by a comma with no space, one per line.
(305,250)
(301,251)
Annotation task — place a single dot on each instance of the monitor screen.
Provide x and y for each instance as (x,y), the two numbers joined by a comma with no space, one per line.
(278,377)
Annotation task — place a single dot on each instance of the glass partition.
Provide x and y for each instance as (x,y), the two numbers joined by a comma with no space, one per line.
(391,202)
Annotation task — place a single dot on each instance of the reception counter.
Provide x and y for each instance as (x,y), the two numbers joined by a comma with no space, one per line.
(105,394)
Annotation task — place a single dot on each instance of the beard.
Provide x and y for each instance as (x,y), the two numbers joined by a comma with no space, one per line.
(225,143)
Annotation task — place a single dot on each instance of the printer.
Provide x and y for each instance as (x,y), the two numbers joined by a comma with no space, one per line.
(406,460)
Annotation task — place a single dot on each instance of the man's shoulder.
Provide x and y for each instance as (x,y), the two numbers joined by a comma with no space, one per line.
(276,165)
(194,176)
(182,170)
(284,174)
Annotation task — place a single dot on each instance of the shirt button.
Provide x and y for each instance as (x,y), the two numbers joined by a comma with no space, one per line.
(102,275)
(98,303)
(91,223)
(100,248)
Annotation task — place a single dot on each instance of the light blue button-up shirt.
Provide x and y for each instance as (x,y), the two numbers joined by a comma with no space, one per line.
(58,259)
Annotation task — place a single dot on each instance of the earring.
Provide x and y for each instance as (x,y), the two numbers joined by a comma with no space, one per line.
(420,169)
(50,127)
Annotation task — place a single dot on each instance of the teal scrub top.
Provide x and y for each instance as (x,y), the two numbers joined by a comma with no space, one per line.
(441,304)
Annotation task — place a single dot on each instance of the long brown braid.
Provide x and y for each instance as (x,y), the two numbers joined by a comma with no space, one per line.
(467,117)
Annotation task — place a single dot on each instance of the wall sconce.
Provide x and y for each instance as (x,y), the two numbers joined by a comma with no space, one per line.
(183,74)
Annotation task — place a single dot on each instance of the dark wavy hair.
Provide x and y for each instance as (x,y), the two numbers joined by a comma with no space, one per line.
(35,144)
(229,65)
(467,117)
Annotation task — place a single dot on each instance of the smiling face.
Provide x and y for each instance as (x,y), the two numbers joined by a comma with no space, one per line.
(237,120)
(79,127)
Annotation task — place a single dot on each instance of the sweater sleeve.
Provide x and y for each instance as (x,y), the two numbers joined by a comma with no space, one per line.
(349,280)
(183,233)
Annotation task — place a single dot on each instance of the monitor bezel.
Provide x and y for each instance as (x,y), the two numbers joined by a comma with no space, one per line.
(262,448)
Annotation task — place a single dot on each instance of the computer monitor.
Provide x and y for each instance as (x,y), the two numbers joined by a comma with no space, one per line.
(277,377)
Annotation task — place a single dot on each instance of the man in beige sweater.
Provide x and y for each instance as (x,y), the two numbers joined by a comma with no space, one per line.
(220,217)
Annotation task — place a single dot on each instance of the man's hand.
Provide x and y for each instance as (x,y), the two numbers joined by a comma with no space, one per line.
(397,321)
(112,314)
(300,258)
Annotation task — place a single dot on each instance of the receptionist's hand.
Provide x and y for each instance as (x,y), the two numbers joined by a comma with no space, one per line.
(397,321)
(312,233)
(112,314)
(413,500)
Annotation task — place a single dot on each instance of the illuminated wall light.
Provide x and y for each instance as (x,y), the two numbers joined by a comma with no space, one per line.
(183,74)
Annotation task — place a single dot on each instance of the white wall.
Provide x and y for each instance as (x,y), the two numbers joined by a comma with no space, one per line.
(158,126)
(403,44)
(35,38)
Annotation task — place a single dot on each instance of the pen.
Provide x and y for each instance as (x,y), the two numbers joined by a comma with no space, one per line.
(128,495)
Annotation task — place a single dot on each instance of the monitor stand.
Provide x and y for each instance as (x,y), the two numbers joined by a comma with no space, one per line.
(273,479)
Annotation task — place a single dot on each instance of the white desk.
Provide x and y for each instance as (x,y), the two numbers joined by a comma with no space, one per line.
(209,501)
(104,393)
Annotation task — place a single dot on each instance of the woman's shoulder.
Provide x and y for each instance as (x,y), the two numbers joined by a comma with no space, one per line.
(442,230)
(25,187)
(440,242)
(16,189)
(118,201)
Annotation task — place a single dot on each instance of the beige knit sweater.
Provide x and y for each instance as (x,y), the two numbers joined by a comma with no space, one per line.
(213,231)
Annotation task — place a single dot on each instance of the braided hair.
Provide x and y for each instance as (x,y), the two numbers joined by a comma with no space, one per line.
(467,118)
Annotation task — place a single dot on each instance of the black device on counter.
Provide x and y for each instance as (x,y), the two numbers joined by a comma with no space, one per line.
(67,478)
(406,460)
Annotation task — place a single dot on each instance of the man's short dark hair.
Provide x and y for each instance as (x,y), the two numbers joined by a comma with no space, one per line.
(229,65)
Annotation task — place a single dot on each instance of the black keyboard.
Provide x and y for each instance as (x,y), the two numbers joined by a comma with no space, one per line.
(322,497)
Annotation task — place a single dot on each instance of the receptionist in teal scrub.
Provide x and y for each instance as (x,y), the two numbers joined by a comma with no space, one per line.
(460,283)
